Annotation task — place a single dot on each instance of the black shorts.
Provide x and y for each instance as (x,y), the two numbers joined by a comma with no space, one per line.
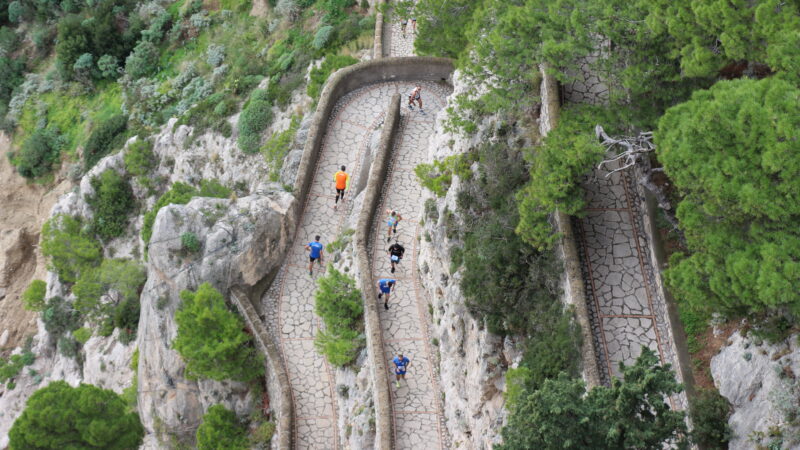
(312,259)
(340,192)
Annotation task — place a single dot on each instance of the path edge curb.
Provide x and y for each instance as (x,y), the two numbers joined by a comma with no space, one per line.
(567,251)
(372,322)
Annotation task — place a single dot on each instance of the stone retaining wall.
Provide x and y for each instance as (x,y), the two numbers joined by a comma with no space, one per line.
(377,47)
(372,324)
(275,365)
(574,291)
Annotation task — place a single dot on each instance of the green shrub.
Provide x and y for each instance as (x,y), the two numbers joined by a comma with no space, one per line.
(190,243)
(82,335)
(33,296)
(140,159)
(710,412)
(67,346)
(255,117)
(262,435)
(213,188)
(278,146)
(438,176)
(122,279)
(107,136)
(60,318)
(143,60)
(322,36)
(221,429)
(319,75)
(11,71)
(338,302)
(211,339)
(179,194)
(38,153)
(11,367)
(70,247)
(111,203)
(59,416)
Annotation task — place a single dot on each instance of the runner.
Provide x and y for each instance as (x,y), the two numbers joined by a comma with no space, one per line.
(315,248)
(403,24)
(401,365)
(396,253)
(413,96)
(385,286)
(342,180)
(392,221)
(413,26)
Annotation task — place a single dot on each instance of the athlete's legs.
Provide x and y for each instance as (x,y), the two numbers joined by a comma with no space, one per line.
(310,265)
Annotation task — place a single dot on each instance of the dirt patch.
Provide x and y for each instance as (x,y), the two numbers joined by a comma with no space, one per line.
(259,9)
(711,343)
(25,207)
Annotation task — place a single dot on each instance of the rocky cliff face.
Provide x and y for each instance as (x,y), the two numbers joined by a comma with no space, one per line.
(760,381)
(472,360)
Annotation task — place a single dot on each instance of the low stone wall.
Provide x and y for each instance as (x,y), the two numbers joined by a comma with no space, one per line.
(349,79)
(574,291)
(377,47)
(372,323)
(274,364)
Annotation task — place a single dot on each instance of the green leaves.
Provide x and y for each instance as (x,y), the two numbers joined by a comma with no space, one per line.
(221,430)
(33,296)
(211,339)
(70,247)
(59,416)
(338,302)
(111,203)
(732,153)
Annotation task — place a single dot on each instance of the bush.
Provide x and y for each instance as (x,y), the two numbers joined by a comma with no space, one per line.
(70,247)
(319,75)
(121,280)
(11,367)
(60,318)
(111,203)
(108,66)
(263,433)
(710,412)
(33,296)
(179,193)
(255,117)
(221,430)
(322,36)
(211,339)
(142,61)
(438,176)
(11,71)
(213,188)
(82,335)
(276,148)
(59,416)
(38,153)
(338,302)
(108,135)
(190,243)
(140,159)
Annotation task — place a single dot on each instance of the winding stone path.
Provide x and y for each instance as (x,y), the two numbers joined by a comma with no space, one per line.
(626,307)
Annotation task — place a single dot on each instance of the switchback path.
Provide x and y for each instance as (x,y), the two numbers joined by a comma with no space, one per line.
(626,307)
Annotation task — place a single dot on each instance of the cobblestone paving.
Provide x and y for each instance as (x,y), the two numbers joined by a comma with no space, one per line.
(400,45)
(417,413)
(626,307)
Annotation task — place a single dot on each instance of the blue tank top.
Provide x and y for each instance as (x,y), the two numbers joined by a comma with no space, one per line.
(316,249)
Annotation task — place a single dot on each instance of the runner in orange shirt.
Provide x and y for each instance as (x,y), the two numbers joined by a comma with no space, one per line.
(342,180)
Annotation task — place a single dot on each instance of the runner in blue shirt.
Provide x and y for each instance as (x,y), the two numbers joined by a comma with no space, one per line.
(315,249)
(401,364)
(385,286)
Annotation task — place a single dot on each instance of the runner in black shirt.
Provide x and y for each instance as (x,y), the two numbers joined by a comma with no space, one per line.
(396,253)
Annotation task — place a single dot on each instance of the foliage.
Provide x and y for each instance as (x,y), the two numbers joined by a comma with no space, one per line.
(60,318)
(322,36)
(112,203)
(211,338)
(263,433)
(276,148)
(338,302)
(256,116)
(59,416)
(108,66)
(140,159)
(82,335)
(10,76)
(633,413)
(38,154)
(119,279)
(438,176)
(221,430)
(738,175)
(213,188)
(107,136)
(190,243)
(442,24)
(70,247)
(319,75)
(143,60)
(179,194)
(709,413)
(33,296)
(558,168)
(11,367)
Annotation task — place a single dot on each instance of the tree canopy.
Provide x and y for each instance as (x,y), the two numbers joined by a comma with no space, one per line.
(62,417)
(221,430)
(731,151)
(632,413)
(211,338)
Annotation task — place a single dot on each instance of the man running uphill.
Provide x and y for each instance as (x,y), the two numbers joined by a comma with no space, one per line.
(315,249)
(392,221)
(385,287)
(415,96)
(396,253)
(401,365)
(342,181)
